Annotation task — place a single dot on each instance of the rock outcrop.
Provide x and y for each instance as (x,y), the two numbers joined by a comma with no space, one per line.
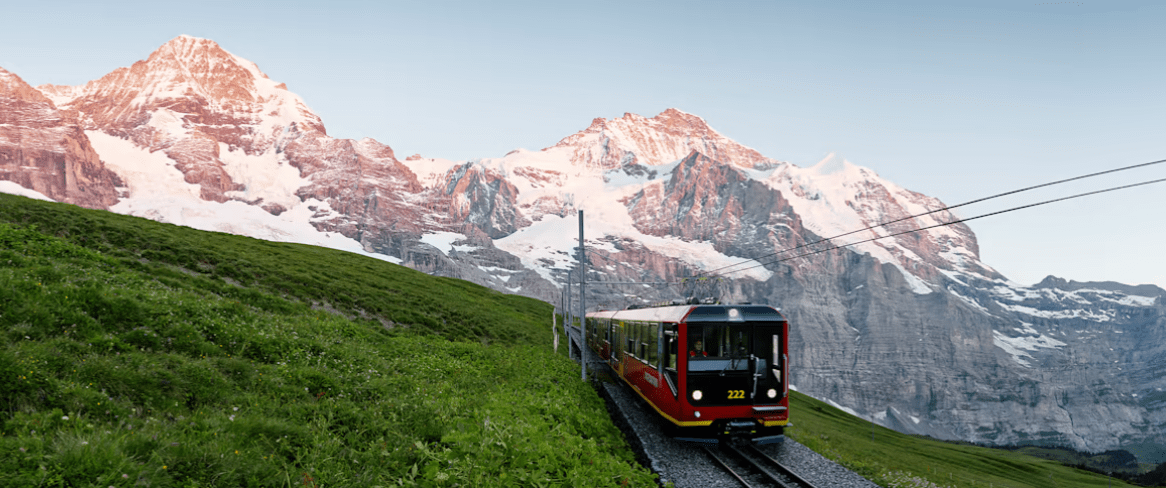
(44,149)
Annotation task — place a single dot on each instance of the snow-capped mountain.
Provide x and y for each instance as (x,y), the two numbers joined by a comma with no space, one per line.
(912,330)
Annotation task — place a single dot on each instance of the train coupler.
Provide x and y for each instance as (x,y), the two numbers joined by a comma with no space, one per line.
(739,428)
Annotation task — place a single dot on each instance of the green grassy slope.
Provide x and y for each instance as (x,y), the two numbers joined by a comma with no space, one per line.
(897,460)
(138,353)
(271,274)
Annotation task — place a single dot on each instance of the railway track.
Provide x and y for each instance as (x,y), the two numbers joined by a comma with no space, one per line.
(753,468)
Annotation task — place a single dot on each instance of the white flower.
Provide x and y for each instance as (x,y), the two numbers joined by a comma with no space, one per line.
(232,418)
(66,417)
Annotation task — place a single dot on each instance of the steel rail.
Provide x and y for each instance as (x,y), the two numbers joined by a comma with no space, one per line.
(763,469)
(775,465)
(725,466)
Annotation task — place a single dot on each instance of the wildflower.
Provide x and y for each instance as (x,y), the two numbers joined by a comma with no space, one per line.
(66,417)
(23,450)
(232,418)
(236,409)
(125,476)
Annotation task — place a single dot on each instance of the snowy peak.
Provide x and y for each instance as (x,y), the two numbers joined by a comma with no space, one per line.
(833,163)
(663,139)
(187,76)
(200,65)
(837,198)
(201,106)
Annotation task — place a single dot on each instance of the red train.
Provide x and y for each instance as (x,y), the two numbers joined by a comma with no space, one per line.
(711,371)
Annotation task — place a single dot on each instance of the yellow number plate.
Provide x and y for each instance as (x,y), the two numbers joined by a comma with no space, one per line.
(736,394)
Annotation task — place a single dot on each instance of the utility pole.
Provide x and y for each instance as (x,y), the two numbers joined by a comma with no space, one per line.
(582,297)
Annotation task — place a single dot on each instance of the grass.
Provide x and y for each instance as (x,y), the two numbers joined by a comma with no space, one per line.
(274,276)
(897,460)
(142,354)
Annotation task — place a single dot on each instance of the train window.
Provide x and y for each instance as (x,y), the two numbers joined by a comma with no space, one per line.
(653,344)
(719,347)
(630,343)
(644,342)
(648,343)
(619,335)
(670,348)
(696,344)
(769,346)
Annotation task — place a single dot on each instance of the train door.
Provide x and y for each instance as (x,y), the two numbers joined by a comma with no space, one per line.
(770,349)
(669,346)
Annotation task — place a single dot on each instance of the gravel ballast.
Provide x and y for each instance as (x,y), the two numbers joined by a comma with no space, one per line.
(687,466)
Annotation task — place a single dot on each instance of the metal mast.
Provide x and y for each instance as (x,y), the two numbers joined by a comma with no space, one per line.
(582,297)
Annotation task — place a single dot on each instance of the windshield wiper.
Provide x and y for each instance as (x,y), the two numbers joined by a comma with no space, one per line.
(733,358)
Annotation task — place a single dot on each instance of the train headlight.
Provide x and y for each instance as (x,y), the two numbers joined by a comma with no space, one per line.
(697,395)
(772,393)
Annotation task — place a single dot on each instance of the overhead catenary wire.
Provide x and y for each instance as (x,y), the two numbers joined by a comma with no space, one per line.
(631,282)
(713,272)
(1013,209)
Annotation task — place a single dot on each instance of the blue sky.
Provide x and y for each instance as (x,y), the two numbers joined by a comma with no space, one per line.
(956,100)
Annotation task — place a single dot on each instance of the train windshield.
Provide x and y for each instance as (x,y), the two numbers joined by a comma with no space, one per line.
(722,348)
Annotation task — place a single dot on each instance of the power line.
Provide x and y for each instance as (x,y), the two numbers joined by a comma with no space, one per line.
(1022,207)
(1013,192)
(631,282)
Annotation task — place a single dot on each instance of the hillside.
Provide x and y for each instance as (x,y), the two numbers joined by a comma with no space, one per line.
(141,353)
(898,460)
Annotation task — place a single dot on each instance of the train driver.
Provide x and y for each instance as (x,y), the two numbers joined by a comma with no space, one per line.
(697,350)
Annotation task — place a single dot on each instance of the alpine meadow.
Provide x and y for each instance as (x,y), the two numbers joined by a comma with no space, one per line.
(139,353)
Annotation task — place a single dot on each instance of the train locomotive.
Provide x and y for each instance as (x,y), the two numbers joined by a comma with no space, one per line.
(712,372)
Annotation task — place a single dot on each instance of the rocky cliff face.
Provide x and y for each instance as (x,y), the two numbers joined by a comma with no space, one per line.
(902,325)
(44,149)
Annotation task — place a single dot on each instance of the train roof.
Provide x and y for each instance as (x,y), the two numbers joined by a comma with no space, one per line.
(695,313)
